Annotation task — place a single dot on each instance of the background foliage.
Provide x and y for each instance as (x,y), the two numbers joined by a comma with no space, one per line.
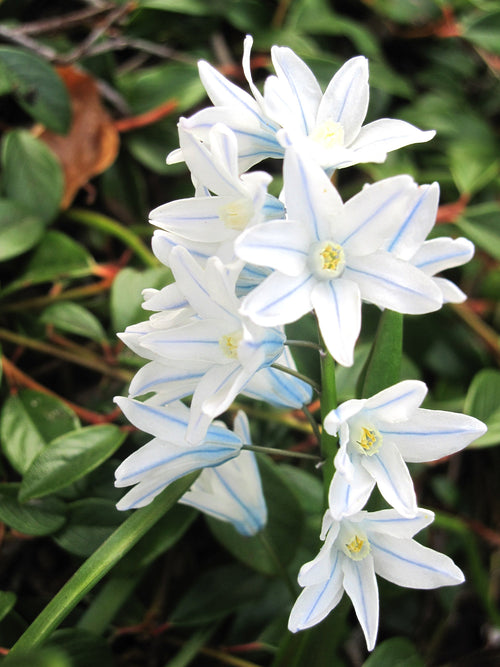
(90,96)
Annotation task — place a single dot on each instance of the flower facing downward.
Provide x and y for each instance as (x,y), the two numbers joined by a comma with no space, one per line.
(354,551)
(232,492)
(377,436)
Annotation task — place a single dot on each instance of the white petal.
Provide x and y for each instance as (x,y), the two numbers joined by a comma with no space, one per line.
(310,196)
(388,134)
(247,70)
(360,585)
(451,293)
(279,299)
(409,564)
(167,423)
(346,497)
(281,245)
(163,243)
(197,340)
(417,223)
(317,601)
(223,93)
(442,253)
(398,402)
(303,91)
(393,479)
(391,522)
(431,434)
(346,98)
(337,304)
(370,216)
(344,412)
(196,218)
(389,282)
(278,388)
(174,380)
(224,148)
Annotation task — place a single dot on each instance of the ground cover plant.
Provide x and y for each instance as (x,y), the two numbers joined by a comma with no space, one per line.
(216,423)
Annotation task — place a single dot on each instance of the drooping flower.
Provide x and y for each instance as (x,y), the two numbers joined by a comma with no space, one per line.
(232,492)
(357,548)
(328,126)
(200,344)
(377,436)
(168,456)
(408,242)
(327,257)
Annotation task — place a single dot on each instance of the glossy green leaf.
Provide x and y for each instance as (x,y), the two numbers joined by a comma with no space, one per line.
(38,88)
(7,602)
(395,652)
(68,458)
(483,402)
(28,422)
(56,257)
(19,229)
(72,318)
(90,522)
(383,366)
(32,175)
(36,517)
(126,294)
(274,547)
(473,165)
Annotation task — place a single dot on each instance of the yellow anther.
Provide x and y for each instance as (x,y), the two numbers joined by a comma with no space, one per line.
(237,214)
(332,256)
(229,344)
(369,440)
(356,545)
(329,134)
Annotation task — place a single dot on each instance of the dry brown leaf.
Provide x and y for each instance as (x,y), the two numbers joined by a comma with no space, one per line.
(92,143)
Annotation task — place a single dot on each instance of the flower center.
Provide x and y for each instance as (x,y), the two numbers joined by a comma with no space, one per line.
(369,441)
(355,544)
(229,343)
(237,214)
(329,134)
(327,260)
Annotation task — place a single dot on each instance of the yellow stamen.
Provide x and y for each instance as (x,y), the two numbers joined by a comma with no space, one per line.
(332,256)
(329,134)
(237,214)
(229,343)
(356,545)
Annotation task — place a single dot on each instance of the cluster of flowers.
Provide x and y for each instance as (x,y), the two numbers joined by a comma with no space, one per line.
(245,264)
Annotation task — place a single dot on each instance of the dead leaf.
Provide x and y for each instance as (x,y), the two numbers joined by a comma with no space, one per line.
(92,143)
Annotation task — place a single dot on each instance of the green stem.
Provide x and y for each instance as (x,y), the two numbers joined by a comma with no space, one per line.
(114,228)
(281,452)
(328,403)
(107,603)
(98,565)
(313,422)
(300,376)
(279,565)
(304,343)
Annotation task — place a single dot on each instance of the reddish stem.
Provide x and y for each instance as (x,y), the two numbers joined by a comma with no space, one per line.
(146,118)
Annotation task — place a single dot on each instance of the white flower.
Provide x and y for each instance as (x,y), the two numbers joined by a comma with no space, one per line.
(232,492)
(408,242)
(205,224)
(168,456)
(326,257)
(377,436)
(355,550)
(328,126)
(200,344)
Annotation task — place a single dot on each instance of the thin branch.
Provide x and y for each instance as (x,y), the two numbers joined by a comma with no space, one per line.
(69,20)
(13,36)
(314,424)
(304,343)
(120,43)
(275,451)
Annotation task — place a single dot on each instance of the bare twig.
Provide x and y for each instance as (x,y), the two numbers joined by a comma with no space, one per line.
(64,22)
(11,35)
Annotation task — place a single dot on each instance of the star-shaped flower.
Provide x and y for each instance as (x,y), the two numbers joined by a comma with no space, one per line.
(354,551)
(327,257)
(377,436)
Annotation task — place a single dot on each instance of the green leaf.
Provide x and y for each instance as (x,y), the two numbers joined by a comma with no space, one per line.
(396,652)
(192,7)
(7,602)
(216,593)
(480,225)
(73,318)
(32,175)
(36,517)
(38,88)
(274,547)
(483,31)
(82,647)
(473,165)
(68,458)
(483,402)
(45,657)
(90,522)
(126,294)
(55,258)
(28,422)
(19,229)
(383,367)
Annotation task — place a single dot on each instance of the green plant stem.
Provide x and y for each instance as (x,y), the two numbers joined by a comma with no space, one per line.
(477,574)
(304,343)
(114,228)
(314,424)
(106,604)
(95,567)
(298,375)
(279,565)
(281,452)
(278,417)
(83,357)
(328,403)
